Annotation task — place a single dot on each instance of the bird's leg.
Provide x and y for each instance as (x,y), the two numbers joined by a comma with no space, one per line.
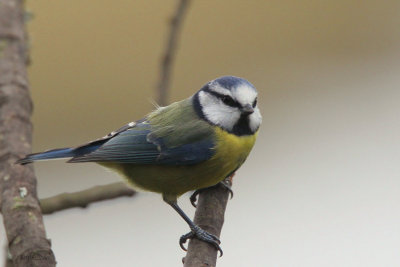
(195,231)
(226,183)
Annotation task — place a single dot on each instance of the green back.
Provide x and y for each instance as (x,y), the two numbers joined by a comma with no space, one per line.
(179,124)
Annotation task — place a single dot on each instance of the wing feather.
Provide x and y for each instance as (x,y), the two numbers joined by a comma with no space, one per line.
(156,141)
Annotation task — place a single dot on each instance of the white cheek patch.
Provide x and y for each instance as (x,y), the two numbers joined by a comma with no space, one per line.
(222,115)
(218,113)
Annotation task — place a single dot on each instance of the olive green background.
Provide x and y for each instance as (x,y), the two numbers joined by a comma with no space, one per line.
(322,186)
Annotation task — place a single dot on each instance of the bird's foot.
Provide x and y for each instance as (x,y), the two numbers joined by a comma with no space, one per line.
(226,183)
(202,235)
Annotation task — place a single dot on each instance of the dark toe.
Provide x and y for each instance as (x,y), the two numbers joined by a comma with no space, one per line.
(202,235)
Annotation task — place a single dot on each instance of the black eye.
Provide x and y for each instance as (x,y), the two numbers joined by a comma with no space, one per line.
(255,103)
(228,101)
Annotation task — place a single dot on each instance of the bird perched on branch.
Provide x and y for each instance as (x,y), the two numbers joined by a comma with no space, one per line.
(189,145)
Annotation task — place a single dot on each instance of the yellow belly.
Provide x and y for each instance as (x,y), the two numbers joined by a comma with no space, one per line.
(230,153)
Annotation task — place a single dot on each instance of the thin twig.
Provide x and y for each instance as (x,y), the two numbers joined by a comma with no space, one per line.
(169,52)
(82,199)
(210,217)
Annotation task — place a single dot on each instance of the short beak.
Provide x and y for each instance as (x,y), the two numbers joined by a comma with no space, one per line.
(247,109)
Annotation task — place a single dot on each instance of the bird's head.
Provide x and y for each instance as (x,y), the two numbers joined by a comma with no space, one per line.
(230,103)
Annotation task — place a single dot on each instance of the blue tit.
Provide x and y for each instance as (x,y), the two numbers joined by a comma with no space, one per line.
(189,145)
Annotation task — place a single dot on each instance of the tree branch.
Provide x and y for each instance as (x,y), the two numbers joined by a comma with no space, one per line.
(83,198)
(19,205)
(169,52)
(210,217)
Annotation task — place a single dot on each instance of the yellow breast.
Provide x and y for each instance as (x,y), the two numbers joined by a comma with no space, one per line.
(232,150)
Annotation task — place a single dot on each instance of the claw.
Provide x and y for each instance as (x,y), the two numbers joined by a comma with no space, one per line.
(226,183)
(228,186)
(184,238)
(202,235)
(193,197)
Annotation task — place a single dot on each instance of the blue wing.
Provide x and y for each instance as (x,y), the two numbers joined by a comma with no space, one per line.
(172,135)
(139,145)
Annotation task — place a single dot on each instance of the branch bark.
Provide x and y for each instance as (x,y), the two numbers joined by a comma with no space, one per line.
(209,216)
(7,259)
(83,198)
(170,51)
(19,205)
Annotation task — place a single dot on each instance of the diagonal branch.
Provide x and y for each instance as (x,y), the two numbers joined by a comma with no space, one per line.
(83,198)
(22,218)
(170,51)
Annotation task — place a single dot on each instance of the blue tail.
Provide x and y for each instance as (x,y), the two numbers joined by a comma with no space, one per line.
(61,153)
(51,154)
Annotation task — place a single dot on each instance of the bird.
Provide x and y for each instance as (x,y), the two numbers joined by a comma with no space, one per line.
(188,145)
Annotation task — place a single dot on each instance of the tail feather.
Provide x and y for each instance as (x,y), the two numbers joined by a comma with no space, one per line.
(61,153)
(51,154)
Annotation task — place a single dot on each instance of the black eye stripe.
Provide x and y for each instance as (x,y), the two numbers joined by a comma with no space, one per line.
(225,98)
(255,103)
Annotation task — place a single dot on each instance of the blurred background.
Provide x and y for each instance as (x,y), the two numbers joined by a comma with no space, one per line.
(322,185)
